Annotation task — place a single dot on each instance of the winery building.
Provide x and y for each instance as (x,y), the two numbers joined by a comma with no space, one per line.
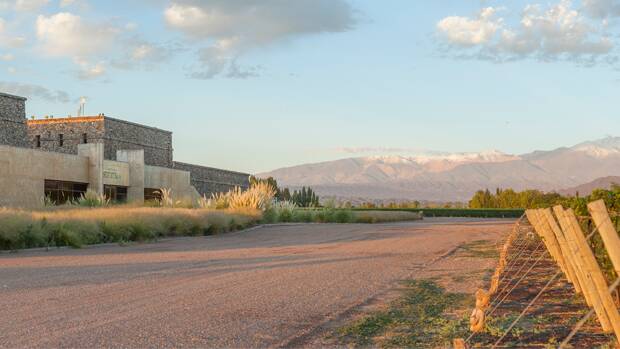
(61,158)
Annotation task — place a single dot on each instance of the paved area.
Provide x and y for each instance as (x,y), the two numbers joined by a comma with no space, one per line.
(269,287)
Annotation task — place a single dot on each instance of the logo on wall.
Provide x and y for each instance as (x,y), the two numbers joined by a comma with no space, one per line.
(112,174)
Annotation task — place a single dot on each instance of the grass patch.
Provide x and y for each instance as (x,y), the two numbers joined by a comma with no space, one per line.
(81,226)
(425,316)
(287,214)
(479,249)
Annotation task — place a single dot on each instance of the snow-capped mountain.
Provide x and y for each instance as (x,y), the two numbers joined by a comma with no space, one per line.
(451,177)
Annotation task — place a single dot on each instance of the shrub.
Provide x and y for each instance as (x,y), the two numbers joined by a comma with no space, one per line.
(63,236)
(92,199)
(285,210)
(78,226)
(270,216)
(343,216)
(305,216)
(259,196)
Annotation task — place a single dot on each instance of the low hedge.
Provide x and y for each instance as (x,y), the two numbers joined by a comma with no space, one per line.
(456,212)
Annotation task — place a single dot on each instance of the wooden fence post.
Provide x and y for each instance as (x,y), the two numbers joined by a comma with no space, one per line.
(588,284)
(566,268)
(548,238)
(607,230)
(565,249)
(597,275)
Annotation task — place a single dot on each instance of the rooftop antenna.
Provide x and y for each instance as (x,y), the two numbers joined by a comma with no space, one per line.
(82,108)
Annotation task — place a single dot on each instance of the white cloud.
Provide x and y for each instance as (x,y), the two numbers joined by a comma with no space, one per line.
(94,47)
(602,8)
(91,71)
(24,5)
(34,92)
(146,52)
(11,70)
(559,32)
(30,5)
(469,32)
(66,34)
(6,57)
(231,28)
(140,53)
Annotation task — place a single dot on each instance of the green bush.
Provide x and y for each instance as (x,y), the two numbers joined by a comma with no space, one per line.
(270,216)
(302,216)
(285,216)
(343,216)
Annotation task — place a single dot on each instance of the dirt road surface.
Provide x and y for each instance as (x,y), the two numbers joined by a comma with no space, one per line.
(268,287)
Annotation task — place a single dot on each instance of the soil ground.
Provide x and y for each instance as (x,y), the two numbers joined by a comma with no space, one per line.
(269,287)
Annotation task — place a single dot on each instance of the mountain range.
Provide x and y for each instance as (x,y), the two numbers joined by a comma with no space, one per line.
(455,177)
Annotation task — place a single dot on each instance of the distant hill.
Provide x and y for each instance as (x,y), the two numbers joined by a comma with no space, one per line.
(455,177)
(586,189)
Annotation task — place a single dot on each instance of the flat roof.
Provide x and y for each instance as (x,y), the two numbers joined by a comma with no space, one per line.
(65,120)
(137,124)
(78,119)
(2,94)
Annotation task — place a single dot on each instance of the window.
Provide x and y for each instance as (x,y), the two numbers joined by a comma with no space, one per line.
(151,194)
(115,194)
(85,138)
(59,192)
(61,140)
(38,141)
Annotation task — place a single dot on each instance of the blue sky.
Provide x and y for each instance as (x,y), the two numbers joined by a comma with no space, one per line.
(255,85)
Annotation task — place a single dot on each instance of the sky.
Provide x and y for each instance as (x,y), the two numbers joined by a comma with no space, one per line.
(255,85)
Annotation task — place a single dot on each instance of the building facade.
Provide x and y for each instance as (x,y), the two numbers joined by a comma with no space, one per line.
(13,120)
(29,177)
(133,161)
(63,135)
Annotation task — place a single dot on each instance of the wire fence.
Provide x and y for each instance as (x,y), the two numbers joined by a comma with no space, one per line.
(550,256)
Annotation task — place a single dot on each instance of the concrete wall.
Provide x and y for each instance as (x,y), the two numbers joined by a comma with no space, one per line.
(116,173)
(125,135)
(208,180)
(13,121)
(178,181)
(72,129)
(23,173)
(134,159)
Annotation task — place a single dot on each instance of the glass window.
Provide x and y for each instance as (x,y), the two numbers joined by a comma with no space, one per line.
(151,194)
(60,192)
(115,194)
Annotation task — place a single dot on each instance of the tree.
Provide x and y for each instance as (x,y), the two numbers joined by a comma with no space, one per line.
(305,198)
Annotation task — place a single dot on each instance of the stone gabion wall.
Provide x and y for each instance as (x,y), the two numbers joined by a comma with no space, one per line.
(13,121)
(72,130)
(125,135)
(208,180)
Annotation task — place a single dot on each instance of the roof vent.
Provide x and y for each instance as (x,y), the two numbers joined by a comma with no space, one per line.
(82,108)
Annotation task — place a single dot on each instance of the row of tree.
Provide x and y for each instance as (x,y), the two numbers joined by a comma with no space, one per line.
(508,198)
(305,197)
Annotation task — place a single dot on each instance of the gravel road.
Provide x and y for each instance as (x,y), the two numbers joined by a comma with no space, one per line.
(267,287)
